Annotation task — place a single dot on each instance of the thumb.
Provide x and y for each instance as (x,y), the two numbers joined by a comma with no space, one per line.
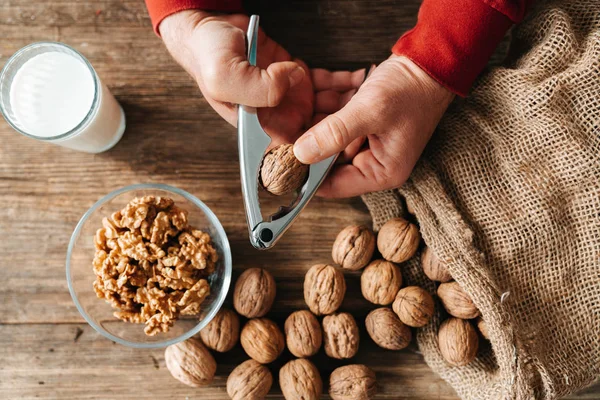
(333,134)
(242,83)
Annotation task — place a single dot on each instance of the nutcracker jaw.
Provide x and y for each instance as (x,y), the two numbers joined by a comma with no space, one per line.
(253,142)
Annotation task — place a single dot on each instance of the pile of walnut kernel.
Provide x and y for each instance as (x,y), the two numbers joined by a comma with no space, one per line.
(151,265)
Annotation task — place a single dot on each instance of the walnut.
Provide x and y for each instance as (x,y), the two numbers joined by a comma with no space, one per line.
(456,301)
(458,341)
(434,268)
(380,282)
(303,333)
(254,293)
(352,382)
(386,329)
(341,335)
(483,328)
(353,247)
(223,332)
(414,306)
(398,240)
(300,380)
(249,381)
(281,172)
(262,340)
(150,265)
(190,363)
(324,289)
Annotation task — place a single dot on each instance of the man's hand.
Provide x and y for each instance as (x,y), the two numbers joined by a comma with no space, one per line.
(382,130)
(212,49)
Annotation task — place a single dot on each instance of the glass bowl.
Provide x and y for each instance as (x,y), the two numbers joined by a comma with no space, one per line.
(98,313)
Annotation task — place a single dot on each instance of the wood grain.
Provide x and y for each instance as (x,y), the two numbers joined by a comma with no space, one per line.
(172,137)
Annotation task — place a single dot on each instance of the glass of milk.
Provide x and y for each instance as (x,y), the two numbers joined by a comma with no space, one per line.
(50,92)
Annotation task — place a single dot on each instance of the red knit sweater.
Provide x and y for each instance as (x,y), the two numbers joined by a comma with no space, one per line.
(452,40)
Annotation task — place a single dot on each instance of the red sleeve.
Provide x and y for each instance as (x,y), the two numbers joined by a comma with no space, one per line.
(454,39)
(160,9)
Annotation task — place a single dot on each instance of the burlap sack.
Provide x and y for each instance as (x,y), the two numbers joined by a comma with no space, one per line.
(508,193)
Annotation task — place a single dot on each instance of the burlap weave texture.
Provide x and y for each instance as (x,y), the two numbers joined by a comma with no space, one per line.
(508,193)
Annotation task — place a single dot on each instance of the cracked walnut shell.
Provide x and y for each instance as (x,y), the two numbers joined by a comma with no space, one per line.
(254,293)
(434,268)
(249,381)
(300,380)
(352,382)
(340,335)
(324,289)
(414,306)
(303,334)
(458,341)
(281,172)
(353,247)
(380,282)
(398,240)
(223,332)
(190,363)
(262,340)
(386,329)
(456,301)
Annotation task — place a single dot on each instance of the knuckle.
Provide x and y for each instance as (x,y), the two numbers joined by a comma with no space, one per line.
(212,76)
(275,89)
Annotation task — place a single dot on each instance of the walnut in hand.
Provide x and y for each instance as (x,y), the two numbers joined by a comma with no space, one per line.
(190,363)
(324,289)
(353,247)
(341,335)
(249,381)
(300,380)
(223,332)
(262,340)
(386,329)
(352,382)
(281,172)
(254,293)
(380,282)
(398,240)
(303,333)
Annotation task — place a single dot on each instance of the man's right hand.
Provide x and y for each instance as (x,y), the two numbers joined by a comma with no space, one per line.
(212,49)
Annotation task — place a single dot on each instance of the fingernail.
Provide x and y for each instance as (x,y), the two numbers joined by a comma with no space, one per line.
(296,76)
(307,149)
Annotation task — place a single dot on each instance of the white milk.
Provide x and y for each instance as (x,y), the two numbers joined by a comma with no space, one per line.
(52,93)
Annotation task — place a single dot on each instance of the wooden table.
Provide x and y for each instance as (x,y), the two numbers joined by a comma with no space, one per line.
(173,137)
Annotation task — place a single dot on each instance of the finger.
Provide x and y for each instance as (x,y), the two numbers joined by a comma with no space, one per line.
(354,148)
(330,101)
(334,133)
(340,81)
(366,174)
(243,83)
(227,111)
